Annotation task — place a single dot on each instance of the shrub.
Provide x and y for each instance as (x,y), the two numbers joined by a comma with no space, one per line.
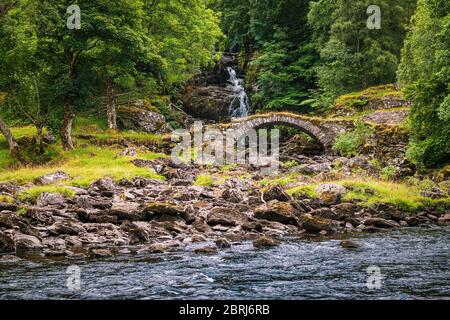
(388,172)
(350,143)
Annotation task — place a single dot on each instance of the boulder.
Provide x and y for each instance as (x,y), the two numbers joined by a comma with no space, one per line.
(140,119)
(310,169)
(157,209)
(135,232)
(206,250)
(331,193)
(233,195)
(348,244)
(276,193)
(222,243)
(265,242)
(316,224)
(67,227)
(52,178)
(226,217)
(127,152)
(104,184)
(381,223)
(6,243)
(210,102)
(25,243)
(277,211)
(4,206)
(50,199)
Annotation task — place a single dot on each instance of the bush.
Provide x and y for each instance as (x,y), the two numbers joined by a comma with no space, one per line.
(388,172)
(350,143)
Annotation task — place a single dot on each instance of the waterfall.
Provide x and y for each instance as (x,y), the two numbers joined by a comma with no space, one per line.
(242,109)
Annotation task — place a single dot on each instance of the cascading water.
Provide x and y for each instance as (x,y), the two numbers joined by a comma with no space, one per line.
(240,106)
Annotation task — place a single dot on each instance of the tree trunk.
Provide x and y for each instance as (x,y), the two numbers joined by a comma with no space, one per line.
(111,107)
(12,143)
(66,130)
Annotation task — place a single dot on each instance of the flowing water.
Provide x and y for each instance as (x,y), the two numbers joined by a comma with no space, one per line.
(414,263)
(240,106)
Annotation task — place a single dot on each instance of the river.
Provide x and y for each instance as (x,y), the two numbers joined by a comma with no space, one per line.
(413,264)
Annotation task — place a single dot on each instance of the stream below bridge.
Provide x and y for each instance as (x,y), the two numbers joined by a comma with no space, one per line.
(414,264)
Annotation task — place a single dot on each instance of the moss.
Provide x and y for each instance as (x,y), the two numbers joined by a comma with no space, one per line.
(204,181)
(6,199)
(31,195)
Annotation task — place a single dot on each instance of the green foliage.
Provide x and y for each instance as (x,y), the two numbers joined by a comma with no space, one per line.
(425,74)
(275,41)
(351,143)
(388,172)
(354,57)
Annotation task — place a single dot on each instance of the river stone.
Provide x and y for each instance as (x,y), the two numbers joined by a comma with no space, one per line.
(222,243)
(348,244)
(52,178)
(315,224)
(331,193)
(277,211)
(276,193)
(233,195)
(381,223)
(25,243)
(7,206)
(206,250)
(155,209)
(225,216)
(104,184)
(50,199)
(67,227)
(6,243)
(265,242)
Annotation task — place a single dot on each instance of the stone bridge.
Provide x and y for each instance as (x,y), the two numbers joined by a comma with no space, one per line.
(323,130)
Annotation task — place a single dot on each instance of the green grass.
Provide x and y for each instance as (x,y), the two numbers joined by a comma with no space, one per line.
(283,181)
(306,190)
(84,165)
(370,192)
(372,92)
(31,195)
(5,160)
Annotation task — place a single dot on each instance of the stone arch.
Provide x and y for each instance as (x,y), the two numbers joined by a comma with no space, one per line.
(242,126)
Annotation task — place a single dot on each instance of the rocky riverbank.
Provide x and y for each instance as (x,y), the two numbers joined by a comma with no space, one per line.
(154,216)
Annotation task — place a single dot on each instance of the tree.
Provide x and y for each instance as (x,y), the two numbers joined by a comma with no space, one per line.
(424,73)
(353,56)
(274,35)
(69,51)
(4,129)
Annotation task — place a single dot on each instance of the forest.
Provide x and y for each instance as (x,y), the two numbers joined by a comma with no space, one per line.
(346,101)
(300,55)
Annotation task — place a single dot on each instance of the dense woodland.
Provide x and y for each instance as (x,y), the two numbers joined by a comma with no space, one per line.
(299,55)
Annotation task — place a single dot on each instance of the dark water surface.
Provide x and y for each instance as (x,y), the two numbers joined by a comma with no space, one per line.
(414,264)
